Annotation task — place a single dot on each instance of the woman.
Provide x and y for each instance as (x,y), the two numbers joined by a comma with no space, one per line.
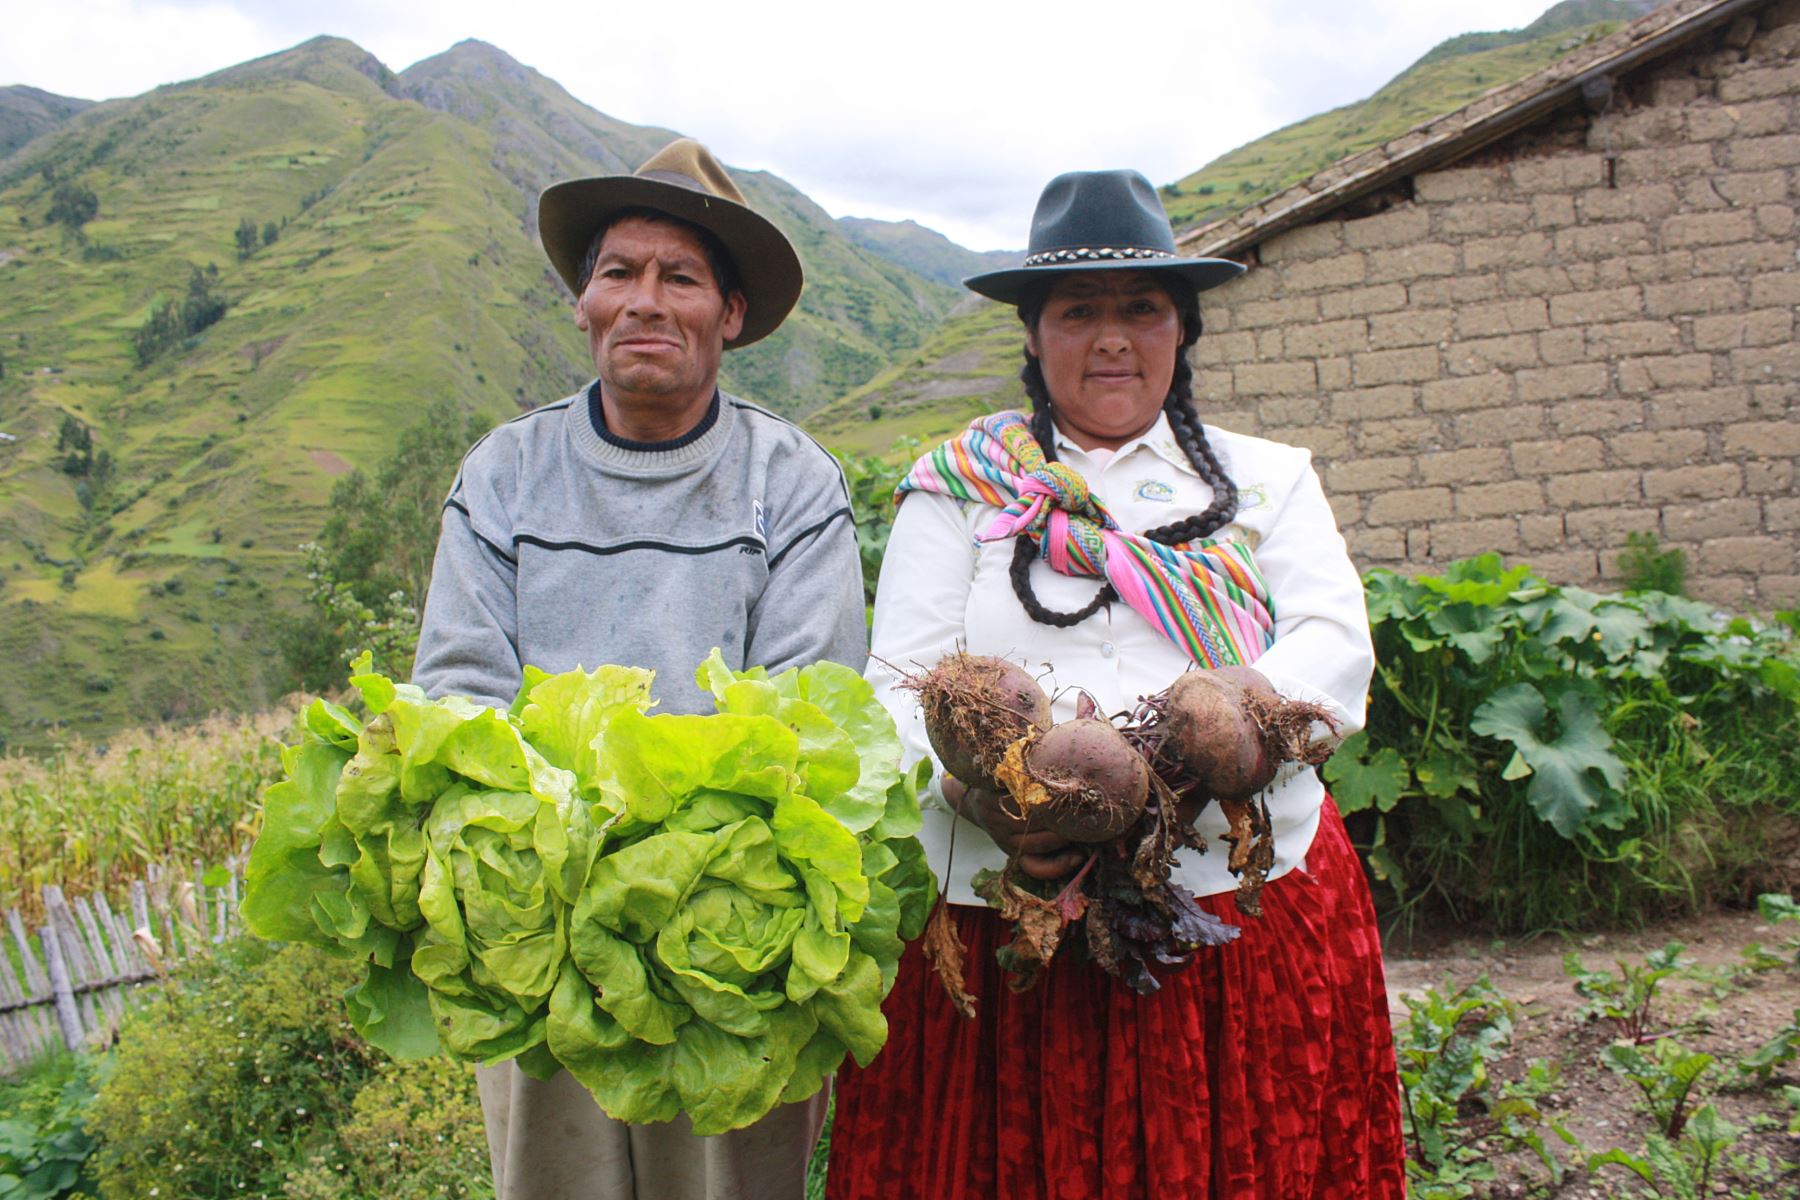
(1265,1067)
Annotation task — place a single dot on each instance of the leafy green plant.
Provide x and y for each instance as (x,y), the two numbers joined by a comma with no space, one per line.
(872,480)
(504,879)
(1780,910)
(1678,1168)
(45,1146)
(1457,1117)
(1546,756)
(1625,999)
(414,1129)
(1644,566)
(1778,1051)
(1666,1072)
(244,1064)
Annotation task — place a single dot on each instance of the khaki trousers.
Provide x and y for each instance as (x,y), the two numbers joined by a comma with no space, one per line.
(550,1141)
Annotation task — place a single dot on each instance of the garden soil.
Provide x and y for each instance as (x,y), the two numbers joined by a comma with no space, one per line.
(1719,1008)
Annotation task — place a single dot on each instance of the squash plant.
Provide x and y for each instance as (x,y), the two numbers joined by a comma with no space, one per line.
(1538,754)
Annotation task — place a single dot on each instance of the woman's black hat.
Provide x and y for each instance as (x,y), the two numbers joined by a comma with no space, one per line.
(1100,221)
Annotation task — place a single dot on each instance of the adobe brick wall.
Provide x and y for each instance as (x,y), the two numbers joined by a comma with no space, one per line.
(1518,356)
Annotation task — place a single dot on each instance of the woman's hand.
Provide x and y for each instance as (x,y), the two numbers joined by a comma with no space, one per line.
(1039,854)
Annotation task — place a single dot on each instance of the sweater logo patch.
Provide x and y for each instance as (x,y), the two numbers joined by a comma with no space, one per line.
(758,521)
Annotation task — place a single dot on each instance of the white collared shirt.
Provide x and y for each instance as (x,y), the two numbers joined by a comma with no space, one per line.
(939,590)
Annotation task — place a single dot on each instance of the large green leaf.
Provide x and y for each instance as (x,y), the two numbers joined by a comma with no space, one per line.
(1570,759)
(1361,778)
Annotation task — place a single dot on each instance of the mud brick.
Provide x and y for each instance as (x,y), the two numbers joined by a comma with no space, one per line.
(1375,403)
(1561,383)
(1493,499)
(1407,263)
(1705,406)
(1411,328)
(1404,435)
(1475,391)
(1308,242)
(1657,372)
(1327,337)
(1558,456)
(1659,448)
(1505,316)
(1712,519)
(1463,539)
(1592,489)
(1585,308)
(1481,464)
(1262,379)
(1597,416)
(1370,474)
(1406,506)
(1764,439)
(1709,482)
(1359,302)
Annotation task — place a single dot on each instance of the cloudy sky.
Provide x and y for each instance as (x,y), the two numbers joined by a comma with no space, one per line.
(951,112)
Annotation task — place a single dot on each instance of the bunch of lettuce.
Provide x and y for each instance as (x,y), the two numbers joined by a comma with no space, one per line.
(691,914)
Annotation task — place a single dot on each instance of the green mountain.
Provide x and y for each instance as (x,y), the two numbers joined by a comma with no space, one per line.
(366,233)
(1448,77)
(925,251)
(1568,16)
(970,364)
(26,112)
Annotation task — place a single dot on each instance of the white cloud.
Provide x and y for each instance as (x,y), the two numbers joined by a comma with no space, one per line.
(952,113)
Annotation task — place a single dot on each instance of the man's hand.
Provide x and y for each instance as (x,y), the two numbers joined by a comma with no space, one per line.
(1040,855)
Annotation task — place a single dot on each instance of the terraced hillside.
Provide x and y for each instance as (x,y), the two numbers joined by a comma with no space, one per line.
(366,235)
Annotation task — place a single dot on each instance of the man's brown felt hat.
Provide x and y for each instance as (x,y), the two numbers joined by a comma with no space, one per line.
(684,180)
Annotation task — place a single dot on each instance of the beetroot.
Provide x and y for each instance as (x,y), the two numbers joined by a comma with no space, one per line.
(1086,782)
(975,708)
(1214,721)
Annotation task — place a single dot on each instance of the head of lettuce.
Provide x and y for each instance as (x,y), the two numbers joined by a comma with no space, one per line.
(690,914)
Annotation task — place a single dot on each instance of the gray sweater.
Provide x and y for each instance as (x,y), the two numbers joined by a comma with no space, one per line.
(565,546)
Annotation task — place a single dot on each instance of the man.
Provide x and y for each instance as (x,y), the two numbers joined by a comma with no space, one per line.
(643,521)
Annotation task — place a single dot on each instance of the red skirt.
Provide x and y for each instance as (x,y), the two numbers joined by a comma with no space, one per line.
(1264,1069)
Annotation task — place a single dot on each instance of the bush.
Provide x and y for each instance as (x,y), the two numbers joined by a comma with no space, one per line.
(415,1130)
(240,1069)
(1541,756)
(244,1077)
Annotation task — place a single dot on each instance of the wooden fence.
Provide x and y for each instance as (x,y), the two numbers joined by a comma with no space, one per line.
(70,985)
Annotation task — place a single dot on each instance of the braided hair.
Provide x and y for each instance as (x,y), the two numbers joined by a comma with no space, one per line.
(1178,406)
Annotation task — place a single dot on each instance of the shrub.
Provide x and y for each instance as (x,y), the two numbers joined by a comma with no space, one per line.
(241,1068)
(414,1130)
(1544,756)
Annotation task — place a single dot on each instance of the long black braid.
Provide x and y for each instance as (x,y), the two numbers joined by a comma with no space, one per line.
(1189,435)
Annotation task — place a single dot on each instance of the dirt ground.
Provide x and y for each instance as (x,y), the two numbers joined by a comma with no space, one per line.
(1728,1013)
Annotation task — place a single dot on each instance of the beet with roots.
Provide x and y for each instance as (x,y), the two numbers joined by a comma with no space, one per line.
(975,707)
(1214,724)
(1087,783)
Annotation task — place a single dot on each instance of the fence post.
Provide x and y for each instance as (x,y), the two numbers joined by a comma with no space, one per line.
(60,986)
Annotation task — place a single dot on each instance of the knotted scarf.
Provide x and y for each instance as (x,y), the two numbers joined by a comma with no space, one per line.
(1206,597)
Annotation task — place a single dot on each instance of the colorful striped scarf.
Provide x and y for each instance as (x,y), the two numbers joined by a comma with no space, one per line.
(1206,597)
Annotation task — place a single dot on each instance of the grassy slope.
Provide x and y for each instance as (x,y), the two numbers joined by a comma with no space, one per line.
(1429,89)
(26,112)
(407,276)
(970,364)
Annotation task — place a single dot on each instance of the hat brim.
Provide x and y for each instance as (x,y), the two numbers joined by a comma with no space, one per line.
(1009,285)
(768,269)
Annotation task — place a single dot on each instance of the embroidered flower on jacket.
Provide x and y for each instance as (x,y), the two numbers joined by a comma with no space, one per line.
(1154,489)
